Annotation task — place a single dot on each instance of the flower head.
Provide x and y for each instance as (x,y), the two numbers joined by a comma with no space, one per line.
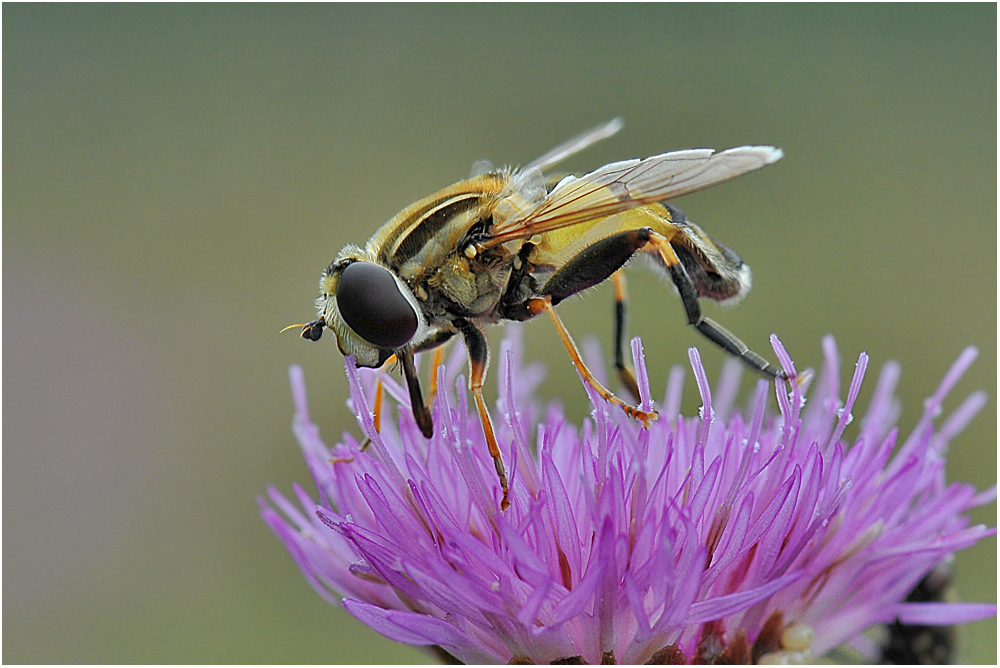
(720,534)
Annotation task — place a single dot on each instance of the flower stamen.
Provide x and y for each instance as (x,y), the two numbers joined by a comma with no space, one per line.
(680,541)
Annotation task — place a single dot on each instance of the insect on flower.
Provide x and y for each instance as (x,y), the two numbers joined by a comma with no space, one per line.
(509,244)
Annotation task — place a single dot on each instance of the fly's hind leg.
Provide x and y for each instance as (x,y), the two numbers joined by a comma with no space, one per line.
(713,331)
(621,300)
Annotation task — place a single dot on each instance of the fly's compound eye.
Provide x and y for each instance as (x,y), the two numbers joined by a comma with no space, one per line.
(371,304)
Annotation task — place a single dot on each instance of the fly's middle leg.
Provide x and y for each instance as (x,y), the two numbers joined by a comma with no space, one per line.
(545,304)
(593,265)
(475,343)
(621,313)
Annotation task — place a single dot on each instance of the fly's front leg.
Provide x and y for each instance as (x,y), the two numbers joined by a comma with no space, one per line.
(376,414)
(479,355)
(621,299)
(421,413)
(709,328)
(377,408)
(422,409)
(435,343)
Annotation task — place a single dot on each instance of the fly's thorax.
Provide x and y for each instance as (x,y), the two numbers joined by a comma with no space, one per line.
(419,239)
(454,281)
(431,247)
(469,286)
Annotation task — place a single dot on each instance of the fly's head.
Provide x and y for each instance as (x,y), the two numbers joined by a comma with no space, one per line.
(370,310)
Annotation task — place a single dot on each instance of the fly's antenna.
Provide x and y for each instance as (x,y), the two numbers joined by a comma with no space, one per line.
(310,330)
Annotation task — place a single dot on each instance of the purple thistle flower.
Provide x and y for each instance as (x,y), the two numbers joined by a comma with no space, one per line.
(716,537)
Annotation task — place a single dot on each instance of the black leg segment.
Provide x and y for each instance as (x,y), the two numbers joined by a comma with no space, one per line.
(687,291)
(728,341)
(625,373)
(713,331)
(420,411)
(434,341)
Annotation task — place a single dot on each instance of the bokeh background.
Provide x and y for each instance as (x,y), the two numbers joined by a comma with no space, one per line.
(176,177)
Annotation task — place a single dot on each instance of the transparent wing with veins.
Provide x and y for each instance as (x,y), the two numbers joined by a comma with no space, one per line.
(561,152)
(526,190)
(576,144)
(621,186)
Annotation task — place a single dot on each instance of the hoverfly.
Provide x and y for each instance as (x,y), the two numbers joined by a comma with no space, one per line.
(509,244)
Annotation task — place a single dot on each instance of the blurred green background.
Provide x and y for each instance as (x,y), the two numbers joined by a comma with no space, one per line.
(176,177)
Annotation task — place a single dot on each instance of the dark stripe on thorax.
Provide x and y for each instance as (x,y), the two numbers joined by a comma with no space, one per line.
(392,238)
(433,221)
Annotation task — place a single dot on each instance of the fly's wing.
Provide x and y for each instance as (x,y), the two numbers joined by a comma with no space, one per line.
(480,167)
(526,189)
(577,144)
(558,154)
(624,185)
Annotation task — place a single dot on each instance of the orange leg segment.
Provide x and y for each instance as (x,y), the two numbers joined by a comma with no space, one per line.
(432,386)
(376,414)
(377,408)
(545,304)
(476,385)
(479,354)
